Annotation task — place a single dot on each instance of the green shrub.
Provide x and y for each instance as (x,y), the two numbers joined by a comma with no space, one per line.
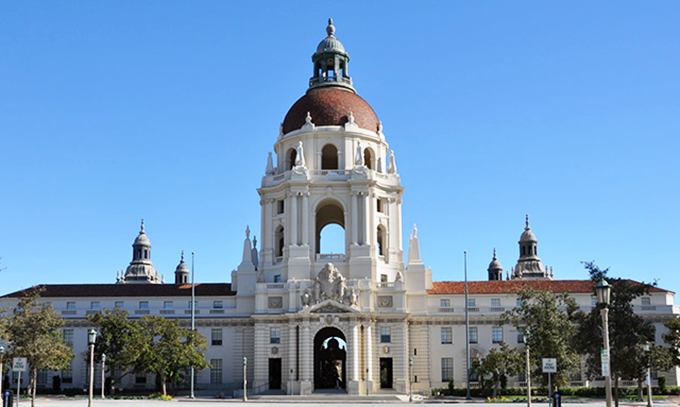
(662,384)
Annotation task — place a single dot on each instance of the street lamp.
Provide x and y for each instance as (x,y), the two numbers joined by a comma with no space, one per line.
(646,348)
(103,375)
(410,379)
(91,339)
(2,357)
(525,336)
(603,291)
(245,380)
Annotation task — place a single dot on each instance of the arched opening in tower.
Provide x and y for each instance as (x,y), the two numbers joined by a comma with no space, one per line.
(290,159)
(368,158)
(330,355)
(382,240)
(278,241)
(330,229)
(329,157)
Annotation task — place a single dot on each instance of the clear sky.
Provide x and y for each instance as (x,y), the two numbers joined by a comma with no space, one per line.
(113,111)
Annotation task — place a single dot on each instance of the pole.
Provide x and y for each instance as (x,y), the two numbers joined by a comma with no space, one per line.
(410,380)
(605,336)
(649,386)
(245,378)
(91,394)
(2,376)
(18,388)
(193,321)
(103,378)
(528,378)
(549,390)
(467,332)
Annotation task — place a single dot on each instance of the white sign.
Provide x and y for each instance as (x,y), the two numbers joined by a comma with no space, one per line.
(19,364)
(604,356)
(549,365)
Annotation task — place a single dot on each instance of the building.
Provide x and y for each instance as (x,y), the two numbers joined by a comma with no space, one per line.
(307,320)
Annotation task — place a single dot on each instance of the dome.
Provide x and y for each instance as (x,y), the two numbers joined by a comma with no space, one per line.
(330,44)
(182,267)
(528,236)
(142,240)
(495,264)
(330,107)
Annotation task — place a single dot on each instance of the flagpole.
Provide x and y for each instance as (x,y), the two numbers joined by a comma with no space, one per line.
(467,332)
(193,323)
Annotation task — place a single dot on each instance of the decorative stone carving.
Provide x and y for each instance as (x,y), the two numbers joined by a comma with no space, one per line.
(392,164)
(275,302)
(329,285)
(385,301)
(353,297)
(306,299)
(275,350)
(359,157)
(260,277)
(399,277)
(300,158)
(270,165)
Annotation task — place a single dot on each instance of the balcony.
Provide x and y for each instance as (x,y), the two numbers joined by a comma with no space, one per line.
(335,257)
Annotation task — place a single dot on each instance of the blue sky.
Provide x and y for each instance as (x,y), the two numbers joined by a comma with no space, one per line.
(115,111)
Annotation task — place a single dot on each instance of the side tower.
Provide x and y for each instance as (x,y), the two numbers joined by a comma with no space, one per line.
(331,167)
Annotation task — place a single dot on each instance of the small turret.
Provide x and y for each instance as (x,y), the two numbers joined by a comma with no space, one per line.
(529,265)
(330,62)
(495,269)
(141,269)
(182,272)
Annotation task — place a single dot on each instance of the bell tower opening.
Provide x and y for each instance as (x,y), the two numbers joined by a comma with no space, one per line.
(329,157)
(330,213)
(330,357)
(290,159)
(369,159)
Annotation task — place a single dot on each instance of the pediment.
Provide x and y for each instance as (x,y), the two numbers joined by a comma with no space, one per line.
(328,307)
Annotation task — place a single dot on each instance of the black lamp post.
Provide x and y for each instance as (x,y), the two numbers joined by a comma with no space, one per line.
(91,339)
(103,374)
(603,291)
(647,350)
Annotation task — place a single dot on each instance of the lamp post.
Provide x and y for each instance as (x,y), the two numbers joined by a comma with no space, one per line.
(2,357)
(467,332)
(245,380)
(603,291)
(103,374)
(91,339)
(646,348)
(526,347)
(410,379)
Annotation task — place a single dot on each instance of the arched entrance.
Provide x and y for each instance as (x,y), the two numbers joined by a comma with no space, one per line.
(330,358)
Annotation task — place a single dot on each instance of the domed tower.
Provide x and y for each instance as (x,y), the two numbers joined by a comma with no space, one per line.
(331,166)
(529,265)
(182,272)
(141,269)
(495,269)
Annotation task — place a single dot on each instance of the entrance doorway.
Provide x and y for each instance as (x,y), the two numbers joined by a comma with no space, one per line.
(330,356)
(274,374)
(385,373)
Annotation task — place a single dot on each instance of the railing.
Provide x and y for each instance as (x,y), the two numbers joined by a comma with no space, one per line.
(497,309)
(167,312)
(473,309)
(324,79)
(196,311)
(141,312)
(69,312)
(217,311)
(385,285)
(91,312)
(648,307)
(330,256)
(332,173)
(276,286)
(446,309)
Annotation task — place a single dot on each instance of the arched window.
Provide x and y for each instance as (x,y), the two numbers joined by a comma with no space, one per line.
(329,157)
(368,158)
(330,221)
(381,237)
(291,157)
(278,241)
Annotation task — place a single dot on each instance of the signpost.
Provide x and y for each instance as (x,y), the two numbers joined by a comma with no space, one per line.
(549,366)
(604,356)
(19,365)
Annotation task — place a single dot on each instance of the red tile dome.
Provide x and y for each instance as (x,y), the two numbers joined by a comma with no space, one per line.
(330,106)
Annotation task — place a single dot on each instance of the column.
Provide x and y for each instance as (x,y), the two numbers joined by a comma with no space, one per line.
(355,221)
(353,358)
(292,356)
(293,220)
(305,218)
(306,362)
(367,216)
(368,339)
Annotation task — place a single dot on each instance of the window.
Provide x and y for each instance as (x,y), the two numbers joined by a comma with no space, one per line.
(495,302)
(216,371)
(520,335)
(71,305)
(380,205)
(119,304)
(216,337)
(67,373)
(646,301)
(497,334)
(94,305)
(189,304)
(447,369)
(144,305)
(140,378)
(275,335)
(385,334)
(519,302)
(42,377)
(471,302)
(329,157)
(277,278)
(447,335)
(218,304)
(415,352)
(522,377)
(473,334)
(167,304)
(279,206)
(444,303)
(67,334)
(383,278)
(381,234)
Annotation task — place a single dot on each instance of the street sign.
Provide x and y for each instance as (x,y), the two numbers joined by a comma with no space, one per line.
(19,364)
(604,356)
(549,365)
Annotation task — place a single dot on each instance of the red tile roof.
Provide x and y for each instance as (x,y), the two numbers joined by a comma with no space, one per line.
(513,286)
(129,290)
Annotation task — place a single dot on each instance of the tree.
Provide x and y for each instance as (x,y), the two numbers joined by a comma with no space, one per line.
(116,333)
(32,331)
(499,363)
(627,330)
(548,317)
(166,349)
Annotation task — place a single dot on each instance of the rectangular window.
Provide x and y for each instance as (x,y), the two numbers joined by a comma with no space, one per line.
(447,335)
(279,207)
(379,205)
(275,335)
(646,301)
(119,304)
(67,334)
(473,334)
(216,337)
(471,302)
(189,304)
(497,334)
(519,302)
(140,378)
(385,334)
(447,369)
(67,373)
(383,278)
(444,303)
(522,377)
(94,305)
(144,305)
(495,302)
(218,304)
(167,304)
(520,335)
(71,305)
(216,371)
(277,278)
(42,377)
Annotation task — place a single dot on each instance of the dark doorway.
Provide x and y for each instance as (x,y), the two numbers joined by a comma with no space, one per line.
(330,355)
(385,373)
(274,374)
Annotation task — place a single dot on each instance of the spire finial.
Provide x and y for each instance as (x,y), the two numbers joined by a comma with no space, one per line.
(247,232)
(415,230)
(494,254)
(142,231)
(182,255)
(527,220)
(330,30)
